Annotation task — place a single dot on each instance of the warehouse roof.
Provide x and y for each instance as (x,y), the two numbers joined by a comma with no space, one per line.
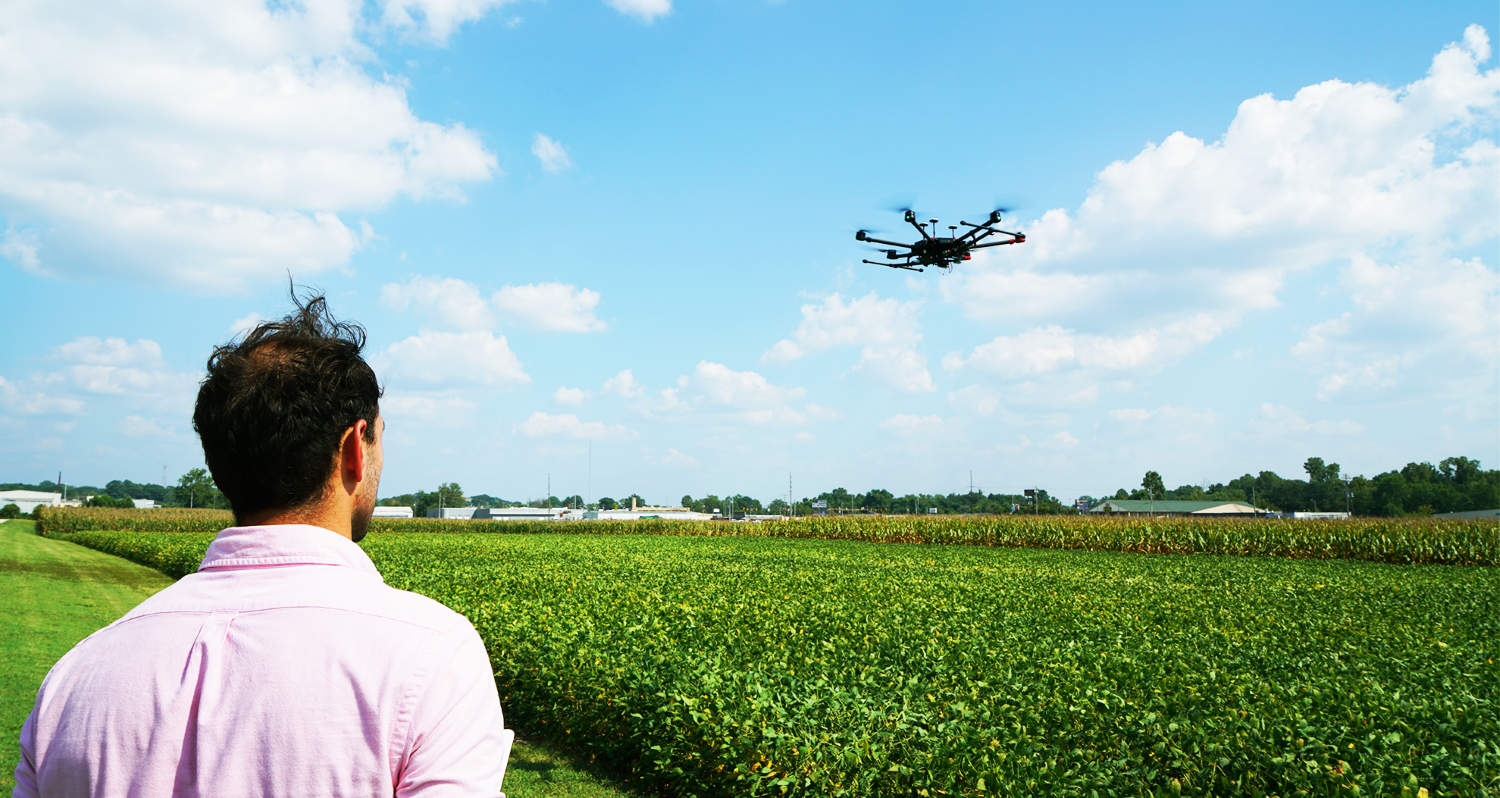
(1174,507)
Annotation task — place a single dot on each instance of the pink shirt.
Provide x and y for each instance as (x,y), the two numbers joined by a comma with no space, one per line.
(284,667)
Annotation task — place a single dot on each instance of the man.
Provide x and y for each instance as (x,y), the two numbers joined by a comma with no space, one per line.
(285,666)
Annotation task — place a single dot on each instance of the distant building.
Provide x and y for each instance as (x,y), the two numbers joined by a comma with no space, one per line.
(1174,507)
(145,504)
(520,513)
(29,500)
(667,513)
(393,512)
(452,513)
(1317,516)
(1471,514)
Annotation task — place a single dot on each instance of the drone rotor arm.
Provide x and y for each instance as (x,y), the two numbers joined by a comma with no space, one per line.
(1019,239)
(888,243)
(906,266)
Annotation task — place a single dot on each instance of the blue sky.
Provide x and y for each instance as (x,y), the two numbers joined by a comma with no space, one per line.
(1256,235)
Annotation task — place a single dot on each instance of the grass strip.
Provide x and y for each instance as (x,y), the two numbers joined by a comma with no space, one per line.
(52,595)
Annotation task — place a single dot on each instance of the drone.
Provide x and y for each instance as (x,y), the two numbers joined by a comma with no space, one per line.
(940,252)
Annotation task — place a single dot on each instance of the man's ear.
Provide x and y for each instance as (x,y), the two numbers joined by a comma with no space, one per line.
(353,458)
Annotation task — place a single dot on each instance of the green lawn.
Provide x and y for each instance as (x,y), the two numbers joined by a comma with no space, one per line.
(54,593)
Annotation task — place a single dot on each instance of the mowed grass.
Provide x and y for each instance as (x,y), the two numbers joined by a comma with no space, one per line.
(54,594)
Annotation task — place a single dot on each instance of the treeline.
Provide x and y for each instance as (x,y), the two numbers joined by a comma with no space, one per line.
(1456,484)
(193,489)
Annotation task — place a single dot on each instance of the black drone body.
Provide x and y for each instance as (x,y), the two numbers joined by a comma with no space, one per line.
(932,250)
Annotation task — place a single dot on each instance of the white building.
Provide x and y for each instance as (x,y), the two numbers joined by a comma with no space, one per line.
(520,513)
(393,512)
(29,500)
(452,513)
(665,513)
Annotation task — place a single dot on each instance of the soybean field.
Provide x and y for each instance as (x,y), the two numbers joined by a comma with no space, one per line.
(737,666)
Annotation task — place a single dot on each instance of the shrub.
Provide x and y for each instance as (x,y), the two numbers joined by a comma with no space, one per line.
(10,511)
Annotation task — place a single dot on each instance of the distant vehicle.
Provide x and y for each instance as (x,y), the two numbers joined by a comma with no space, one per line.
(937,251)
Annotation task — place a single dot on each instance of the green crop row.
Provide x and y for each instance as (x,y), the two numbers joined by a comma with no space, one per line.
(749,666)
(1403,541)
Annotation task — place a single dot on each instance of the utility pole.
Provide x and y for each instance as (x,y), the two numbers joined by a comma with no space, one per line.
(590,485)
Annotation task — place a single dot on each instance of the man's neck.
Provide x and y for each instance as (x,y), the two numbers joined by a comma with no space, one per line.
(320,514)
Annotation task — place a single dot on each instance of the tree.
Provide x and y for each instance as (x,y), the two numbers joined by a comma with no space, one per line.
(1153,484)
(777,507)
(606,503)
(10,511)
(451,495)
(687,501)
(196,489)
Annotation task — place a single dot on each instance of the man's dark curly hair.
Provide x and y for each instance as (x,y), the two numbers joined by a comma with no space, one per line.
(275,405)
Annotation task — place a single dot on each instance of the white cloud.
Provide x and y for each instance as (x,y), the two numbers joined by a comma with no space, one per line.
(114,367)
(645,10)
(676,458)
(208,146)
(1437,320)
(138,427)
(544,425)
(550,153)
(402,412)
(246,323)
(624,385)
(1052,348)
(477,357)
(445,302)
(886,330)
(570,397)
(1395,182)
(550,307)
(714,392)
(907,424)
(93,351)
(1060,440)
(435,20)
(31,401)
(1273,420)
(976,399)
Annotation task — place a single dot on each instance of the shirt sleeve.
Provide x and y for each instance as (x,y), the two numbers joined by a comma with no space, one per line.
(26,786)
(457,744)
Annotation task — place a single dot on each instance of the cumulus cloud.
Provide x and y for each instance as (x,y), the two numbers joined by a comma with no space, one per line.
(401,411)
(676,458)
(1053,348)
(645,10)
(1180,242)
(138,427)
(624,385)
(1276,421)
(434,20)
(211,146)
(886,331)
(550,307)
(445,302)
(246,323)
(115,367)
(476,357)
(567,425)
(715,392)
(550,153)
(1437,321)
(30,400)
(1175,419)
(570,397)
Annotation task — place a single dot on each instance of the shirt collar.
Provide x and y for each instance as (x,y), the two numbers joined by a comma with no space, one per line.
(284,544)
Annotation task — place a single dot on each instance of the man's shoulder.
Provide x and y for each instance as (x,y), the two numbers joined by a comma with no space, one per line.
(311,588)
